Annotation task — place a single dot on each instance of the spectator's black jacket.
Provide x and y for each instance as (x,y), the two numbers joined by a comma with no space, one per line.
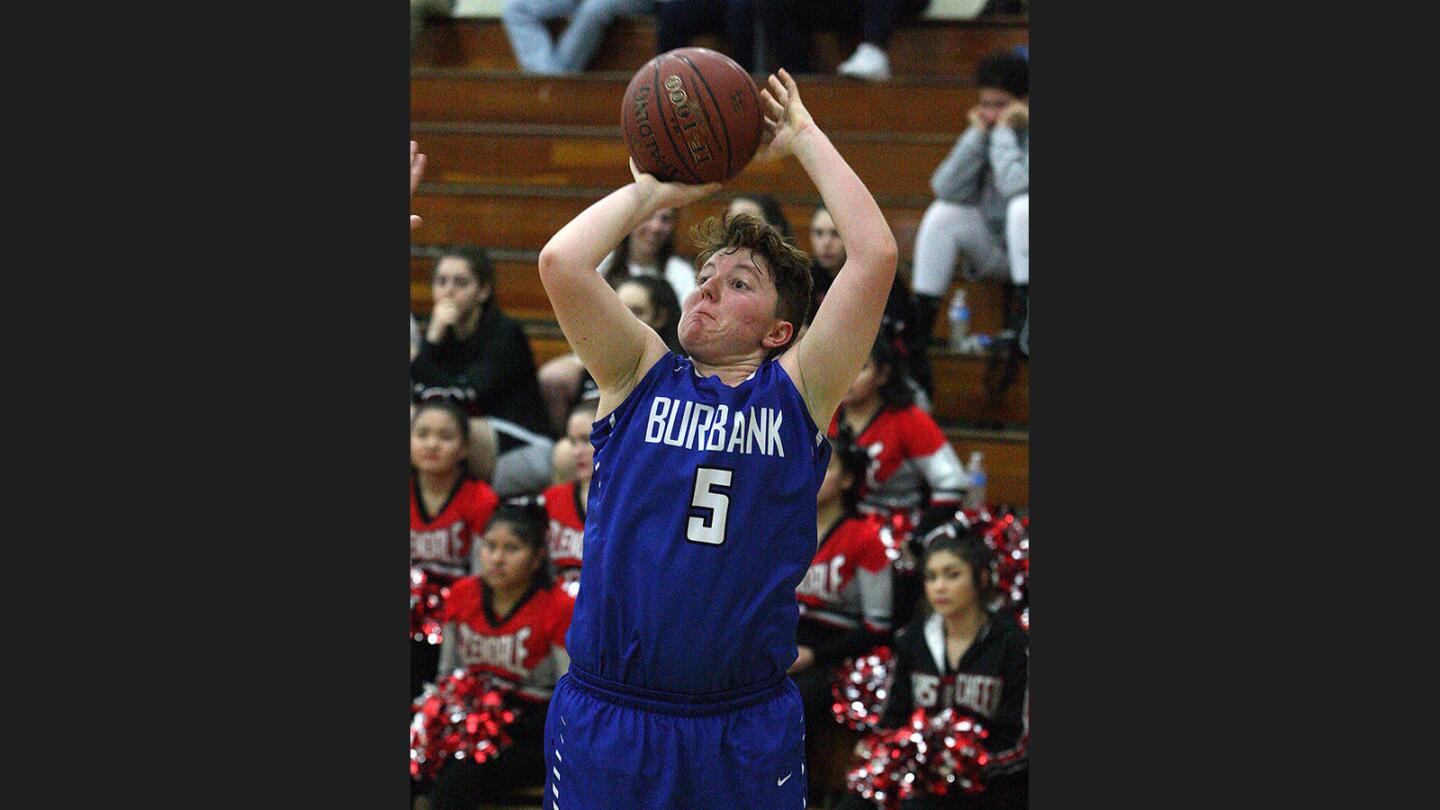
(991,683)
(491,374)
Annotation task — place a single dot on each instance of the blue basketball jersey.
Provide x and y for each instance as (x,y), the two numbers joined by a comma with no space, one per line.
(701,524)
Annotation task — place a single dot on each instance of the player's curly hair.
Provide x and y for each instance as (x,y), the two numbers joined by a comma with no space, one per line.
(527,520)
(788,266)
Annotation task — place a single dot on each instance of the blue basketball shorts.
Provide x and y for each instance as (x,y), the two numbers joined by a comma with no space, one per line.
(612,747)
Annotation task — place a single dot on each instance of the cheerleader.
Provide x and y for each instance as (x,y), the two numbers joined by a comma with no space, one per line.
(961,655)
(448,509)
(565,504)
(909,454)
(510,623)
(845,604)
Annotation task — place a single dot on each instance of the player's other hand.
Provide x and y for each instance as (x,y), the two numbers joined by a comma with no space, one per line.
(1016,116)
(785,117)
(668,195)
(417,168)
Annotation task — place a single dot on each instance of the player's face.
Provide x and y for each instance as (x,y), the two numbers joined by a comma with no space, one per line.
(731,311)
(436,445)
(834,484)
(866,387)
(454,282)
(645,241)
(825,244)
(949,584)
(741,205)
(992,103)
(506,563)
(637,299)
(577,430)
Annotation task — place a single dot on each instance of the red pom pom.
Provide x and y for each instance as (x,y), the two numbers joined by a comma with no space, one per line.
(428,593)
(860,687)
(463,716)
(928,755)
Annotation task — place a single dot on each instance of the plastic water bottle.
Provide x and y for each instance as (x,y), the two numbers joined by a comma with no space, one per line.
(959,322)
(975,471)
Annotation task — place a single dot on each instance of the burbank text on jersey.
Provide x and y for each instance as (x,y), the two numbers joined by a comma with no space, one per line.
(697,426)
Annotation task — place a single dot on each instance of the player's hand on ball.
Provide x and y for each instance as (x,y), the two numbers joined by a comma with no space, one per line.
(1016,116)
(785,117)
(417,168)
(669,195)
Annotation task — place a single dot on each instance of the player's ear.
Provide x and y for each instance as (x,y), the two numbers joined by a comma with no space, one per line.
(778,335)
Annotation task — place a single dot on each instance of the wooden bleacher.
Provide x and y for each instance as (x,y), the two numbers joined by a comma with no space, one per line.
(479,43)
(513,157)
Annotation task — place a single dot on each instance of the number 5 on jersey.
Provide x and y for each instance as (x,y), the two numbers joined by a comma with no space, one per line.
(711,487)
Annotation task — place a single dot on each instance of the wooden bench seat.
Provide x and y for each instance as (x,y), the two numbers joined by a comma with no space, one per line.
(593,99)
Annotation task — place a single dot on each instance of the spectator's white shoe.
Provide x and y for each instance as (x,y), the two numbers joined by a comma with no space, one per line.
(868,62)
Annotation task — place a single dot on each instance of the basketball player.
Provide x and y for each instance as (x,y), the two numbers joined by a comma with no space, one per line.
(701,517)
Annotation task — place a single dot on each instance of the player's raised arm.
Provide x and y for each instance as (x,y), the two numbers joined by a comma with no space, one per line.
(825,361)
(612,343)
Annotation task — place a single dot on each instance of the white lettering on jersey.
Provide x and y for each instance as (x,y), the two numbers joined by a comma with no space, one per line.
(698,426)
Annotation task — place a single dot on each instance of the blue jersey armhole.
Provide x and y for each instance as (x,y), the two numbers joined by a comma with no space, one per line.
(601,425)
(817,435)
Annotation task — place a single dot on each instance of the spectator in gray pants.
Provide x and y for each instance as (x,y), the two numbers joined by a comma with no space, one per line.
(530,38)
(982,190)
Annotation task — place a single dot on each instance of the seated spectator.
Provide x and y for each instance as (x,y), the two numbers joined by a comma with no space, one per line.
(564,380)
(473,353)
(448,509)
(845,602)
(764,206)
(515,600)
(525,25)
(982,206)
(914,470)
(565,503)
(649,250)
(789,27)
(678,22)
(960,655)
(827,256)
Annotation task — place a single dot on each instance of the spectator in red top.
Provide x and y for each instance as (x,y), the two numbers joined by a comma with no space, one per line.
(448,509)
(845,601)
(913,469)
(510,623)
(565,503)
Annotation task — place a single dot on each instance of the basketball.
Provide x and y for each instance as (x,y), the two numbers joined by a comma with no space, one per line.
(692,115)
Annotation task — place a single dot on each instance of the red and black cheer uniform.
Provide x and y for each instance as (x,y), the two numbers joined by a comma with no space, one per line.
(565,531)
(845,601)
(442,545)
(908,454)
(991,684)
(525,648)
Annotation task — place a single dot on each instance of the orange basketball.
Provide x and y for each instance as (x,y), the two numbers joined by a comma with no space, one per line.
(692,115)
